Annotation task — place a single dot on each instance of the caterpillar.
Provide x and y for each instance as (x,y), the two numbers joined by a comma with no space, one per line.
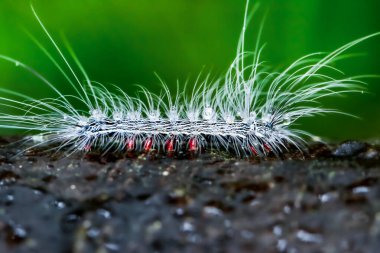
(251,110)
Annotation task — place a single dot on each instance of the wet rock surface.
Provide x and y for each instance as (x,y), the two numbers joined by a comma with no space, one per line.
(320,202)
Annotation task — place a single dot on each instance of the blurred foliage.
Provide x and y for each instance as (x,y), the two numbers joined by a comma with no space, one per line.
(124,42)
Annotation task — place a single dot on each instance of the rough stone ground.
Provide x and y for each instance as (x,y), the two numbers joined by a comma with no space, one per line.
(328,201)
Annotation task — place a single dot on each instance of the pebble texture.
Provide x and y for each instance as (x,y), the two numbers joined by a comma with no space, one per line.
(327,201)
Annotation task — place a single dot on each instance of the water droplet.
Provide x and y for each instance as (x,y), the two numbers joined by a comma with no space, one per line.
(305,236)
(212,211)
(179,212)
(104,213)
(286,120)
(9,198)
(93,232)
(281,245)
(59,204)
(360,190)
(187,226)
(8,177)
(329,196)
(112,246)
(15,233)
(287,209)
(277,230)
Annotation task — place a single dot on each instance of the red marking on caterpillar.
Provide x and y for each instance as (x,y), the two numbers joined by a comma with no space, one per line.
(130,144)
(193,144)
(170,145)
(254,151)
(148,144)
(267,148)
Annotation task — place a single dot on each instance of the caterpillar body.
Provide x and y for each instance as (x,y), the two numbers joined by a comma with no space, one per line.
(250,110)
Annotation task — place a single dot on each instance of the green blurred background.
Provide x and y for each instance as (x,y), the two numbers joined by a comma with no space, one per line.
(125,41)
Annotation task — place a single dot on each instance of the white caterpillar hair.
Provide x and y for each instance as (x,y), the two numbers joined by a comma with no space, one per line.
(251,110)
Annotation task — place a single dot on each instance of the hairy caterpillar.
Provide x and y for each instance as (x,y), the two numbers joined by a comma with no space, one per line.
(250,110)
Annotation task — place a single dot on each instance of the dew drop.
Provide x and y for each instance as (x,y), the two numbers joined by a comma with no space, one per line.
(277,230)
(212,211)
(15,233)
(187,227)
(9,199)
(286,120)
(8,177)
(113,247)
(327,197)
(282,245)
(305,236)
(179,212)
(360,190)
(59,204)
(104,213)
(93,232)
